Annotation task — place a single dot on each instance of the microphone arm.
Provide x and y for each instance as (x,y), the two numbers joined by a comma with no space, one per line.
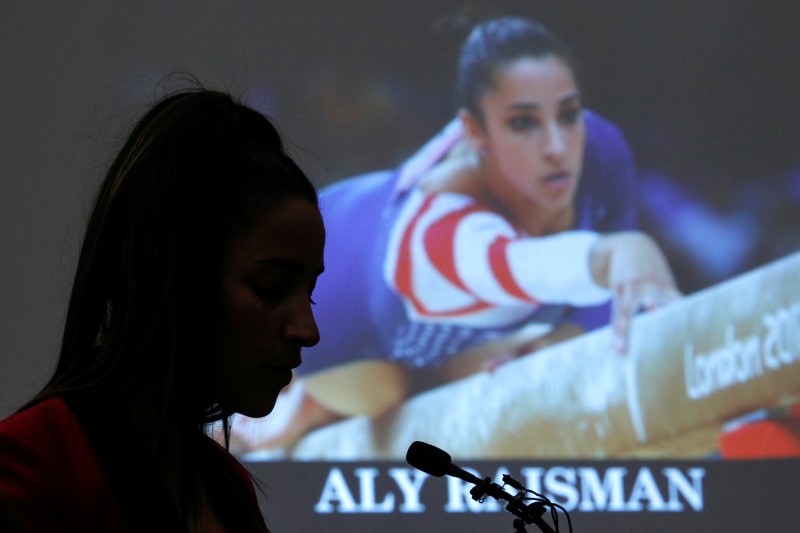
(526,513)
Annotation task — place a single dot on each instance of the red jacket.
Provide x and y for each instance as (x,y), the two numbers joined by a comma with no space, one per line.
(64,470)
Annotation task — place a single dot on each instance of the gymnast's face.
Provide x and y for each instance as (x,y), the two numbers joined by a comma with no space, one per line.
(533,135)
(266,317)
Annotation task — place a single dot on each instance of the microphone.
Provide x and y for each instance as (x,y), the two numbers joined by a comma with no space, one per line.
(436,462)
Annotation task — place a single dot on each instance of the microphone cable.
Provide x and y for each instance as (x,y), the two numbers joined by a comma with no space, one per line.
(541,499)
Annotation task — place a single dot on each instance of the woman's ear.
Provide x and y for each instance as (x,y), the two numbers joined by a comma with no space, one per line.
(474,131)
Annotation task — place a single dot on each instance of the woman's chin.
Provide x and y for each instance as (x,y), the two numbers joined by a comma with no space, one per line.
(257,408)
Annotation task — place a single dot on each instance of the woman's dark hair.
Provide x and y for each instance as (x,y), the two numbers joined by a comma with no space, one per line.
(494,44)
(195,171)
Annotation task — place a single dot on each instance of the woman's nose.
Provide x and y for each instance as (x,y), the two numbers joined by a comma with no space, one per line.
(555,143)
(302,326)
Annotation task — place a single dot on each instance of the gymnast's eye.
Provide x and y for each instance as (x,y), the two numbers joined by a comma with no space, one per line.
(523,123)
(569,116)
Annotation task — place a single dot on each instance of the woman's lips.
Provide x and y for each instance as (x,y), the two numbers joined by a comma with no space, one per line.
(558,180)
(290,365)
(282,365)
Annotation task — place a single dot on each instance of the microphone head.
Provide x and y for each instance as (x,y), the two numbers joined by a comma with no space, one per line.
(428,458)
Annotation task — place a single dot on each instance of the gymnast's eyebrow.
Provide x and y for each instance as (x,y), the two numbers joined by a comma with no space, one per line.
(533,106)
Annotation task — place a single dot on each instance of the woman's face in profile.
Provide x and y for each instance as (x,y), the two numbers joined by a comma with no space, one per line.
(266,318)
(534,132)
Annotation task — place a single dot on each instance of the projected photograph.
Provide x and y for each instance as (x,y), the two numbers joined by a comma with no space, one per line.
(552,240)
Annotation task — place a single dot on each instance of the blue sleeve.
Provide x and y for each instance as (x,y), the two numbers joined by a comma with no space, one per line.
(607,197)
(608,193)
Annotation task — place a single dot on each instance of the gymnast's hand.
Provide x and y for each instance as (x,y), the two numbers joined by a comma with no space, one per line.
(633,266)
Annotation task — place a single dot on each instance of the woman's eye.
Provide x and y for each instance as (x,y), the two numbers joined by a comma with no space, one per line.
(569,116)
(268,295)
(523,123)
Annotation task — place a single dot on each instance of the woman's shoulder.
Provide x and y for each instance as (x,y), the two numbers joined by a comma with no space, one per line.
(39,422)
(47,461)
(458,174)
(45,437)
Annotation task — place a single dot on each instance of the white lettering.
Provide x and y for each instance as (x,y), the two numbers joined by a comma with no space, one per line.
(606,495)
(784,345)
(560,484)
(645,488)
(741,360)
(410,486)
(533,478)
(573,488)
(366,483)
(679,485)
(336,490)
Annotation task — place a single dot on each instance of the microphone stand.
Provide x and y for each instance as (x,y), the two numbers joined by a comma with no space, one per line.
(527,514)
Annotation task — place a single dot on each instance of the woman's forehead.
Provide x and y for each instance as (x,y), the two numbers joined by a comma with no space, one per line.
(533,81)
(292,229)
